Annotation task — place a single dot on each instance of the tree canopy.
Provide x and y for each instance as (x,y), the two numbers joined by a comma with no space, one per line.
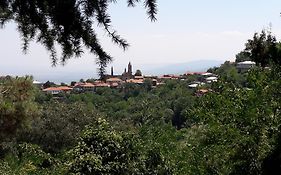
(71,24)
(17,107)
(263,49)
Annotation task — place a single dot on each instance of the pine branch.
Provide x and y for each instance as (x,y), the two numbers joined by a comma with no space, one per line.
(131,3)
(151,6)
(67,23)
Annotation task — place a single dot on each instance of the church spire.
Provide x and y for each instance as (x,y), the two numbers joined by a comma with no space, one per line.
(130,71)
(112,71)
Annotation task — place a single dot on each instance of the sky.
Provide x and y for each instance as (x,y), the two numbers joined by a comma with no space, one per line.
(185,31)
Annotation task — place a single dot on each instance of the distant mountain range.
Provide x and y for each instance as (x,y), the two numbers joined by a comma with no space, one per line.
(180,68)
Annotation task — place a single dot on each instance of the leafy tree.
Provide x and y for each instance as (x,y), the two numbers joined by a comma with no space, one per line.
(102,150)
(228,73)
(131,90)
(41,97)
(68,23)
(242,56)
(277,58)
(29,159)
(263,48)
(235,129)
(17,107)
(147,84)
(161,146)
(59,125)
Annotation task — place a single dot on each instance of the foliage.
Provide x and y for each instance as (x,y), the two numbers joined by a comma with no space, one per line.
(68,23)
(59,125)
(235,129)
(30,159)
(167,130)
(102,151)
(263,49)
(17,106)
(229,73)
(162,148)
(242,56)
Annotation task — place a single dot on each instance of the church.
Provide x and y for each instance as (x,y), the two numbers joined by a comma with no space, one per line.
(126,75)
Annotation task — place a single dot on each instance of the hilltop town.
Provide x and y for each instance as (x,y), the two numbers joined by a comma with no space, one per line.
(195,80)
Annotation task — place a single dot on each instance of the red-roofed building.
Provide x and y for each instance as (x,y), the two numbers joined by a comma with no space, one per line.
(102,84)
(84,87)
(114,82)
(136,81)
(57,90)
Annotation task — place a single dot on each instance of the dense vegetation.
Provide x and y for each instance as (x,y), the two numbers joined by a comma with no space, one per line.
(233,129)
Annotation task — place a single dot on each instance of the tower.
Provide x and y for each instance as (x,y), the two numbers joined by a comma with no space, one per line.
(130,72)
(112,71)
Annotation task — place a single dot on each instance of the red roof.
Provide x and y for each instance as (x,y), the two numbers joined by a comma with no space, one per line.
(61,88)
(102,85)
(138,81)
(114,80)
(87,85)
(84,85)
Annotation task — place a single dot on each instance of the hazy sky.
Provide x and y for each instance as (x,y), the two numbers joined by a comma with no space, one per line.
(185,31)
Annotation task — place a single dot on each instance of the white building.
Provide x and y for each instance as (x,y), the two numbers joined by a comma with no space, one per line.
(245,66)
(211,79)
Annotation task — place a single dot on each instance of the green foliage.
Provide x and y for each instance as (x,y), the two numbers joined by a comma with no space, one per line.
(102,151)
(41,97)
(228,73)
(242,56)
(17,105)
(59,126)
(30,159)
(147,109)
(161,147)
(236,129)
(233,129)
(263,49)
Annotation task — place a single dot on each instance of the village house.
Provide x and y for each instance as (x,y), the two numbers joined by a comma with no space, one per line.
(57,90)
(211,79)
(135,81)
(80,86)
(245,66)
(114,82)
